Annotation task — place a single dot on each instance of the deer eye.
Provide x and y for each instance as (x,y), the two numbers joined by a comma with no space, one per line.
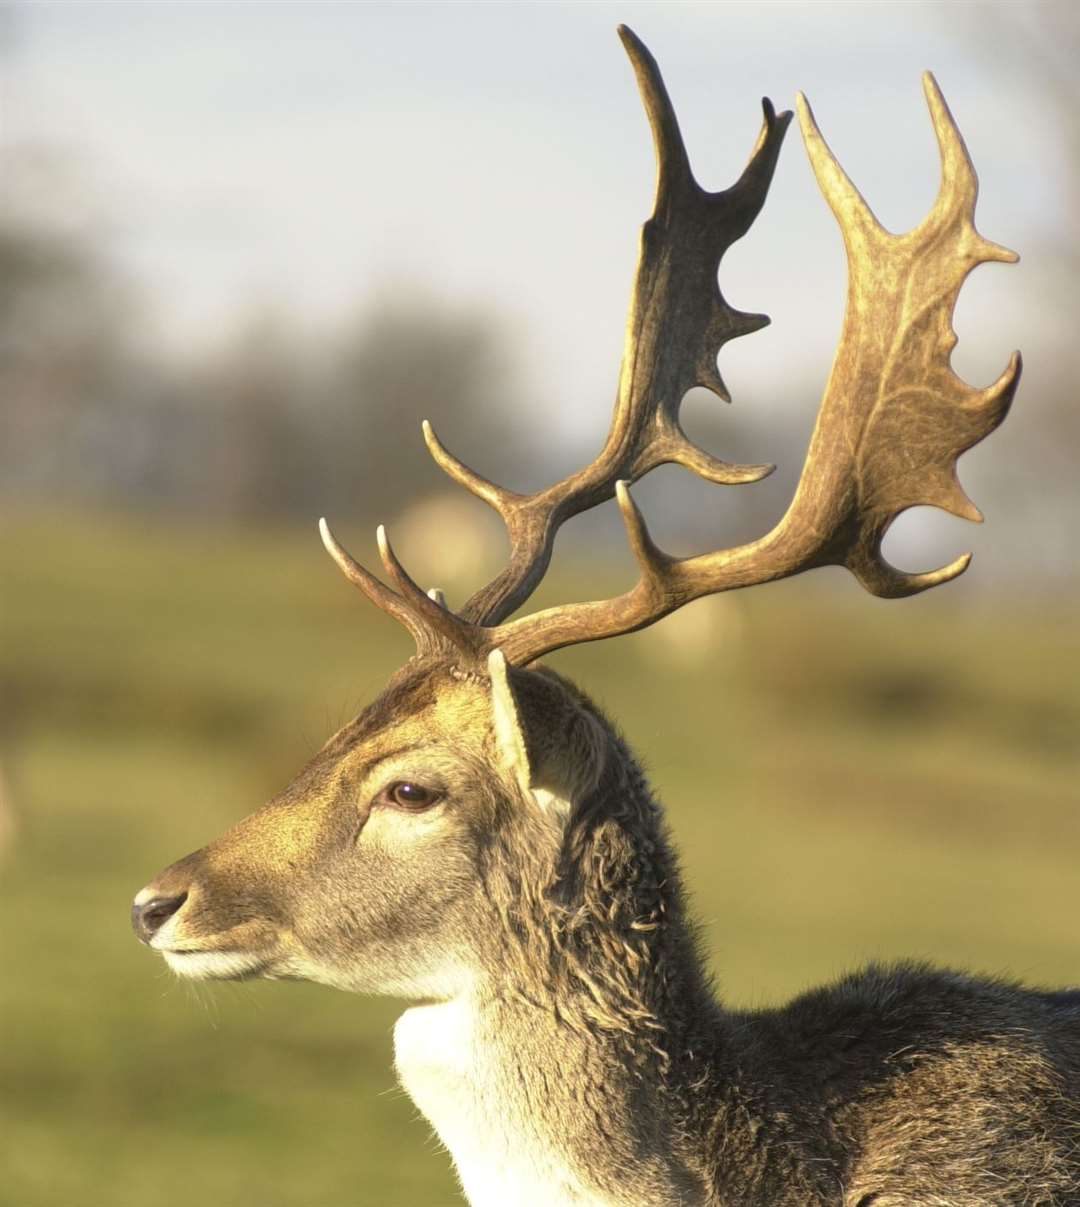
(407,795)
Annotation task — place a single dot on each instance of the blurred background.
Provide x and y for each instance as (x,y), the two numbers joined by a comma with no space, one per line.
(244,249)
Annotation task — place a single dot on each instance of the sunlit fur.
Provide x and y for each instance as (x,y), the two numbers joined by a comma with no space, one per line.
(565,1042)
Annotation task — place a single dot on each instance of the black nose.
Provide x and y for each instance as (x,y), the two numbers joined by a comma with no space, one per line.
(150,916)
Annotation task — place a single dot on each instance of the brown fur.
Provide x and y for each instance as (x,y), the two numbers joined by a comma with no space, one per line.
(897,1085)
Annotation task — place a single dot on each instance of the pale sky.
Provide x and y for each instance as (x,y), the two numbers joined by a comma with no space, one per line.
(307,154)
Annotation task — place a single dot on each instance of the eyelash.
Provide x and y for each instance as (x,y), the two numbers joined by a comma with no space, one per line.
(395,795)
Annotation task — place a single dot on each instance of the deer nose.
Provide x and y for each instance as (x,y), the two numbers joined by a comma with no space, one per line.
(149,915)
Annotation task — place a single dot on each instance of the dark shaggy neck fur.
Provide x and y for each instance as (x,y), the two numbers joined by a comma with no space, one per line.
(901,1085)
(596,915)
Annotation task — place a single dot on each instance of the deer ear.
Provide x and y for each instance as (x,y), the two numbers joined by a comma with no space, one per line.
(568,746)
(509,733)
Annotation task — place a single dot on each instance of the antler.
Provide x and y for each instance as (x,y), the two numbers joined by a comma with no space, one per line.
(892,423)
(677,324)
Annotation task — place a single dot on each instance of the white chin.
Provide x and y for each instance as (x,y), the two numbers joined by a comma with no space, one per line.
(213,965)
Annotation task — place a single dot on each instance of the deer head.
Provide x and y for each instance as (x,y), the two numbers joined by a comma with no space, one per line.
(382,867)
(471,802)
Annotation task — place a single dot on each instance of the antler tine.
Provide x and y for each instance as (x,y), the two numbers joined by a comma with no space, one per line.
(673,171)
(429,605)
(652,560)
(431,626)
(855,218)
(378,593)
(893,420)
(677,324)
(498,497)
(959,184)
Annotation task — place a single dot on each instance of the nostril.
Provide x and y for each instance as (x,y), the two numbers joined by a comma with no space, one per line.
(148,917)
(161,909)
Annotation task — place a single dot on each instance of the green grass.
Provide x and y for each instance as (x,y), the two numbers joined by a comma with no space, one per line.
(846,780)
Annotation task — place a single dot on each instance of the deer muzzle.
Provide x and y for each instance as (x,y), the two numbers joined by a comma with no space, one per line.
(203,928)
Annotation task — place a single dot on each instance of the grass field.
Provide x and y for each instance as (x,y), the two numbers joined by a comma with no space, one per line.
(846,779)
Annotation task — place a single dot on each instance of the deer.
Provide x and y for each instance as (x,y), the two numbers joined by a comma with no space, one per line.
(480,841)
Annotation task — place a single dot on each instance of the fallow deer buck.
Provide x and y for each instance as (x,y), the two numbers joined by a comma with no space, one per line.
(480,841)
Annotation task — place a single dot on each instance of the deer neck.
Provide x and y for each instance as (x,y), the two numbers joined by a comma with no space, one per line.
(537,1114)
(561,1075)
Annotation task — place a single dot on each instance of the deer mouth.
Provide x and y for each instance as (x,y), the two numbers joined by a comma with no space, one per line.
(211,964)
(239,953)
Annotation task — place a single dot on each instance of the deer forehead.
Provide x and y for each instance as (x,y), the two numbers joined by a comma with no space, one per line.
(450,724)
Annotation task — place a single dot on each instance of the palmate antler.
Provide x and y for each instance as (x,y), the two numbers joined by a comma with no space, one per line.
(892,423)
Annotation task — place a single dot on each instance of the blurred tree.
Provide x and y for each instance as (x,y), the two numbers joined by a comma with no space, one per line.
(271,426)
(63,341)
(256,397)
(409,357)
